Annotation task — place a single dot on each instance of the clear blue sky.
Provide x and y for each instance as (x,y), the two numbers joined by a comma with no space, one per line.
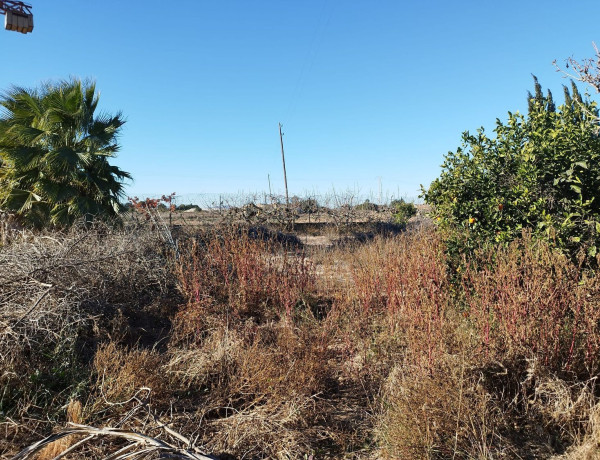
(366,90)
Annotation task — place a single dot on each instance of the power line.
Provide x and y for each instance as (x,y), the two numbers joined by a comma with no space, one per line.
(309,59)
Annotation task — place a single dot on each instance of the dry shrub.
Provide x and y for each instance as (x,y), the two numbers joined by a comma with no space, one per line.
(461,386)
(530,301)
(121,373)
(398,326)
(405,279)
(93,265)
(230,272)
(570,409)
(401,360)
(528,333)
(58,292)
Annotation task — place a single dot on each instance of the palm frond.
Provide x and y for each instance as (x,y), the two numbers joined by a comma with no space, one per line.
(54,150)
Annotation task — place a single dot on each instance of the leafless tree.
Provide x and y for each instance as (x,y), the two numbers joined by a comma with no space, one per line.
(586,71)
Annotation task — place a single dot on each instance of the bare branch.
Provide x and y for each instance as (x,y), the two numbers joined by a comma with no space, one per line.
(586,71)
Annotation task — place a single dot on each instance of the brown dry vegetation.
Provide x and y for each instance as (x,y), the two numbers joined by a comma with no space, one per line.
(244,346)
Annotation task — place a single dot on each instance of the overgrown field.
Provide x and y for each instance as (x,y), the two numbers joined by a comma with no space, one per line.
(243,345)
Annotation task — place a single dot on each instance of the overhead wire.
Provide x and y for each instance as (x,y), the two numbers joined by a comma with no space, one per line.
(310,57)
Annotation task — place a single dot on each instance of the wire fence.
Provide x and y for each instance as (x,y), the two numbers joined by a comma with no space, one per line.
(343,212)
(224,201)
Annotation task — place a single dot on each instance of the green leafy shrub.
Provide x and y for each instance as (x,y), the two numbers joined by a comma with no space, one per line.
(402,211)
(367,206)
(187,207)
(541,171)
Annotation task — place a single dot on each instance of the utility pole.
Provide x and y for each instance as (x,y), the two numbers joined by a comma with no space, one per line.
(287,197)
(270,193)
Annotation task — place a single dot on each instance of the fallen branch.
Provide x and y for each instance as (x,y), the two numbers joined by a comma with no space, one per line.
(33,307)
(142,443)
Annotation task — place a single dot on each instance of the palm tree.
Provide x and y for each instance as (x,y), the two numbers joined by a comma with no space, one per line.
(54,155)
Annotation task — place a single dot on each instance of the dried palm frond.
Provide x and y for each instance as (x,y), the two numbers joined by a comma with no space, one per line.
(139,445)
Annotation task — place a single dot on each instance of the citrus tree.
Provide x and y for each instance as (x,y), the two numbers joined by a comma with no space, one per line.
(539,171)
(54,155)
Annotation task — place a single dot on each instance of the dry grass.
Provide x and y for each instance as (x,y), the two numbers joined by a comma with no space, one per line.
(528,300)
(246,347)
(587,448)
(440,414)
(256,387)
(51,450)
(120,373)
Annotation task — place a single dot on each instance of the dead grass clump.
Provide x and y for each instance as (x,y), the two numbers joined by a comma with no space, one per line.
(52,450)
(569,409)
(280,429)
(588,447)
(256,388)
(121,373)
(206,362)
(284,361)
(443,413)
(459,410)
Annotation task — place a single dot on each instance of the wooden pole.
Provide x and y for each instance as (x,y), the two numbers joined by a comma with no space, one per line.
(270,193)
(287,198)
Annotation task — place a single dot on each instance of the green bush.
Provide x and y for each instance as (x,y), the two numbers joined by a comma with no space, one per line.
(541,171)
(402,211)
(367,206)
(187,207)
